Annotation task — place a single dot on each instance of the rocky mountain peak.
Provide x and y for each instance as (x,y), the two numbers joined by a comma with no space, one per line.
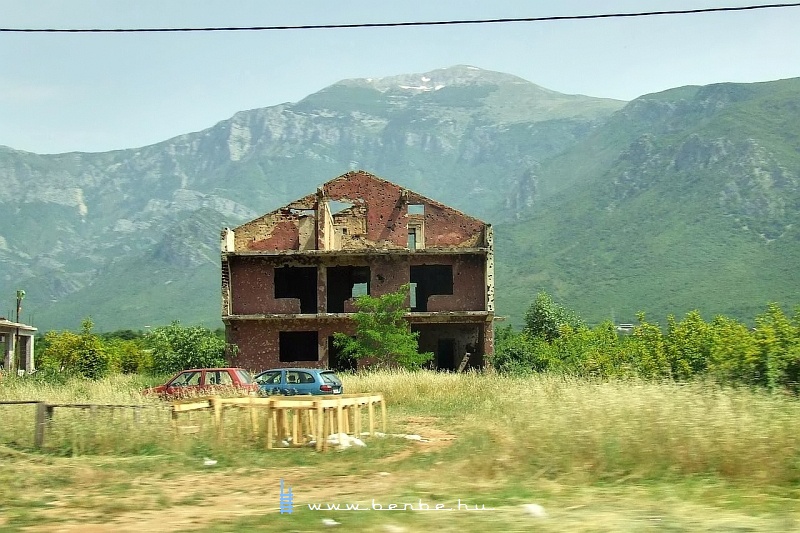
(434,80)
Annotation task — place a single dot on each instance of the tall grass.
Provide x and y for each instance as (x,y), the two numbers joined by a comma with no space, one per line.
(552,425)
(541,425)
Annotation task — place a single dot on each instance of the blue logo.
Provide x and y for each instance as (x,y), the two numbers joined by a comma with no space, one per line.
(286,500)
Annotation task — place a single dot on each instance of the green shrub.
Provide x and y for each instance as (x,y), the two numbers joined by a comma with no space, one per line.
(778,339)
(175,348)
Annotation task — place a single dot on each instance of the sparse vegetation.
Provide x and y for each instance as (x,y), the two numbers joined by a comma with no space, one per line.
(595,429)
(657,447)
(657,419)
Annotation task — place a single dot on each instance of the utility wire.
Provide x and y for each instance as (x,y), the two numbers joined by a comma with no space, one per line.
(401,24)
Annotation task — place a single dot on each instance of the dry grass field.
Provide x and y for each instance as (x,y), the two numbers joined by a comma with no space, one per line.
(591,456)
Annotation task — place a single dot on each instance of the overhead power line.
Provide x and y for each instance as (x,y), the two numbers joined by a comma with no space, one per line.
(401,24)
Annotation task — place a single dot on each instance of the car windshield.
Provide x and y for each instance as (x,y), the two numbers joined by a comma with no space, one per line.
(330,378)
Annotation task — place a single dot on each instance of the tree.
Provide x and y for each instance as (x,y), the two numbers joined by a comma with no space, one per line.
(60,350)
(176,348)
(689,345)
(382,332)
(545,318)
(92,360)
(778,339)
(519,352)
(128,356)
(648,350)
(735,356)
(83,353)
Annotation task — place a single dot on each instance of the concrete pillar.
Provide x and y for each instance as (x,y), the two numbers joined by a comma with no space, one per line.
(27,349)
(8,361)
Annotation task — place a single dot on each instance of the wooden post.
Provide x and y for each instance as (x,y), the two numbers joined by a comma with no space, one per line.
(319,434)
(463,365)
(270,425)
(40,424)
(295,421)
(383,413)
(283,414)
(253,418)
(174,421)
(357,420)
(371,413)
(217,405)
(312,422)
(339,421)
(305,425)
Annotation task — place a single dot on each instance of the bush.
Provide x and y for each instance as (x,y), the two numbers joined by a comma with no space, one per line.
(175,348)
(83,354)
(778,339)
(545,318)
(382,332)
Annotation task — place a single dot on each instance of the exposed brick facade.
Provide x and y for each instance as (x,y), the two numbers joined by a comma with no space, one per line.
(289,277)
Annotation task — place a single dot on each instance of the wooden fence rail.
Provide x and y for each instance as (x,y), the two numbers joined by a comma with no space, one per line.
(293,420)
(296,420)
(44,413)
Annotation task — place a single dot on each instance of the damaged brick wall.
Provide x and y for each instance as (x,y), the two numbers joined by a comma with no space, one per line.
(259,347)
(284,229)
(292,272)
(253,288)
(468,282)
(377,218)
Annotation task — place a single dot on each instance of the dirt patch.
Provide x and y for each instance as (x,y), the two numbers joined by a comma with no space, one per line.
(431,438)
(198,500)
(109,501)
(426,428)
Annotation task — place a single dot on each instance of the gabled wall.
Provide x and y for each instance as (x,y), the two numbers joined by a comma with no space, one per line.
(288,276)
(377,218)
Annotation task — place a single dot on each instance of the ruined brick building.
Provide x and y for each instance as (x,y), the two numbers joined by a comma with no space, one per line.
(289,277)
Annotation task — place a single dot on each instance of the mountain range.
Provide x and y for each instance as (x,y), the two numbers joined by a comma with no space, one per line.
(681,200)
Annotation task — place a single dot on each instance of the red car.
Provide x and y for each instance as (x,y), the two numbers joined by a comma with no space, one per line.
(207,381)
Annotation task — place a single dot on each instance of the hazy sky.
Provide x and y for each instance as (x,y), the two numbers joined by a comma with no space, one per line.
(98,92)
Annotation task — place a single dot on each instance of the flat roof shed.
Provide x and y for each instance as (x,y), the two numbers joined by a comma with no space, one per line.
(13,333)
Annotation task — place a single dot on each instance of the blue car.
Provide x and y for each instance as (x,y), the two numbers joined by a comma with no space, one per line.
(292,381)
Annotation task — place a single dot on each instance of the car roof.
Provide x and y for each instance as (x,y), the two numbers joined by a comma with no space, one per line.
(295,368)
(214,368)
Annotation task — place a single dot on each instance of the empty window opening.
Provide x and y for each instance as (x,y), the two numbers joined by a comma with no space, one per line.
(416,209)
(416,236)
(345,282)
(335,206)
(430,280)
(412,238)
(446,354)
(298,282)
(298,346)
